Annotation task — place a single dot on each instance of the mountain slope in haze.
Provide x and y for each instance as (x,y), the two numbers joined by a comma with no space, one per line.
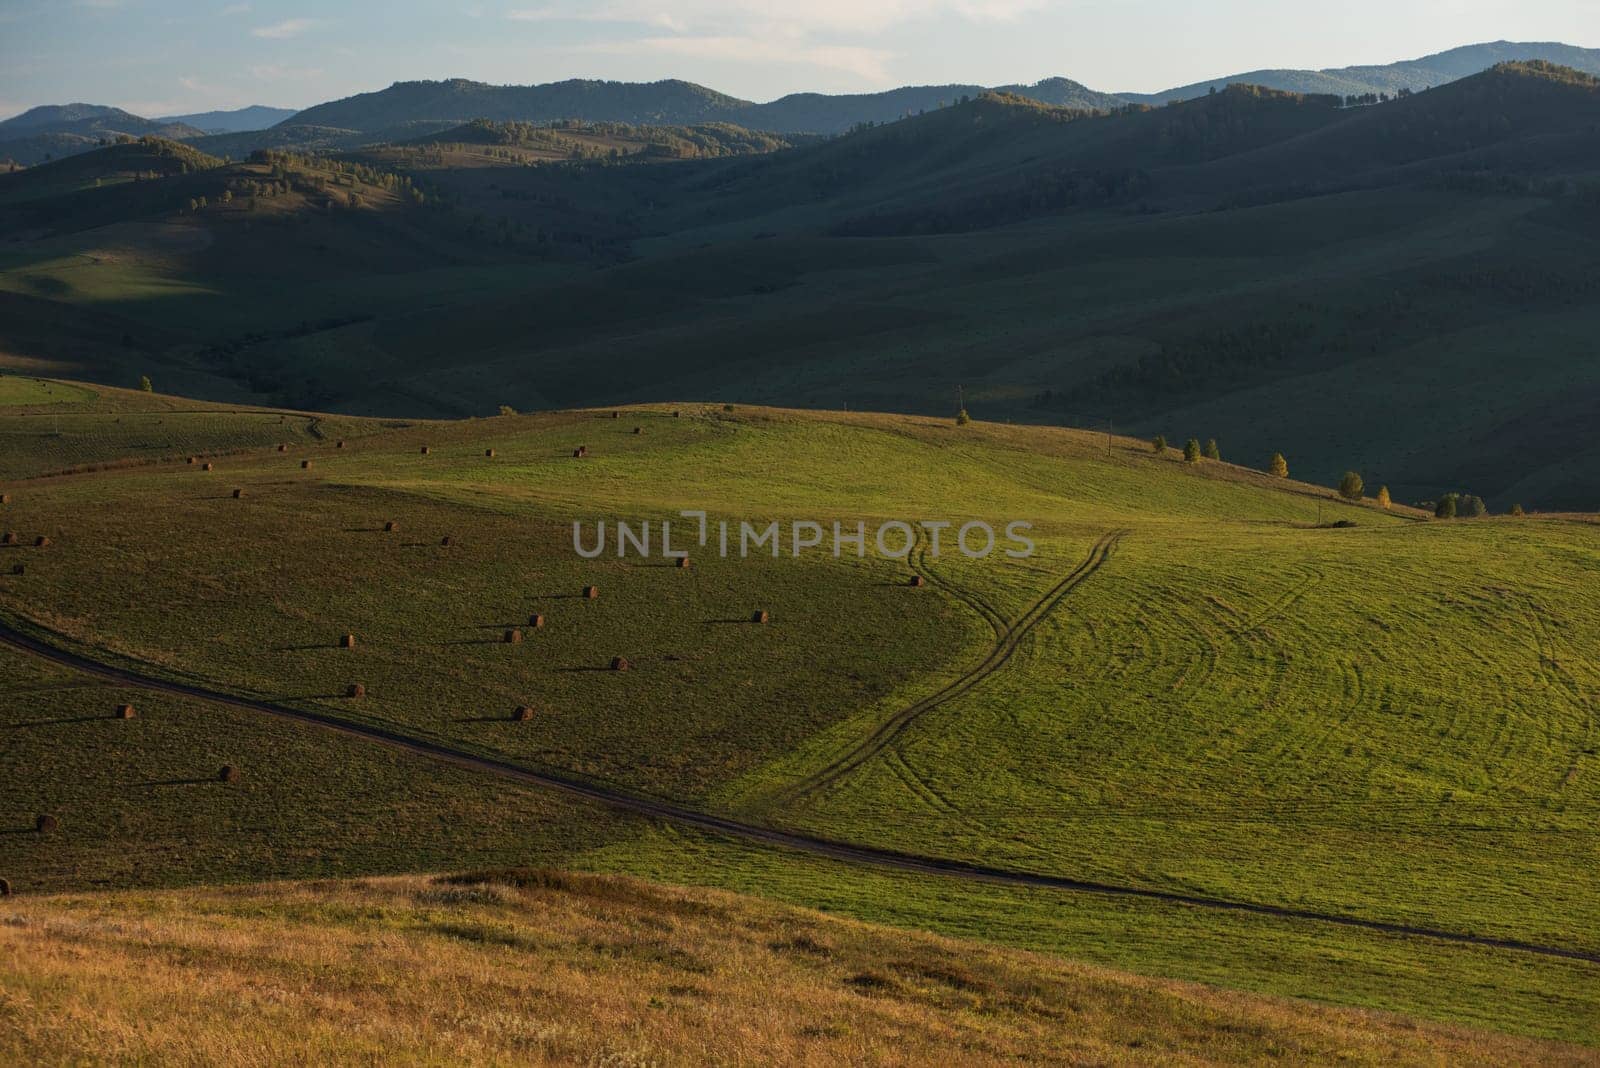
(239,120)
(63,129)
(1414,74)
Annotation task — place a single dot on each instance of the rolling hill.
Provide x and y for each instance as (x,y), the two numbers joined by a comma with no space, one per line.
(1266,267)
(1213,708)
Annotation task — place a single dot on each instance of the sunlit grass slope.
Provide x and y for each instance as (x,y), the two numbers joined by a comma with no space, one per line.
(527,967)
(1392,720)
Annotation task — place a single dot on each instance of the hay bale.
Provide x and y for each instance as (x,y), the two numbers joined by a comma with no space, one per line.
(355,689)
(523,713)
(5,498)
(237,494)
(677,415)
(512,637)
(445,541)
(916,580)
(347,641)
(620,663)
(391,527)
(305,465)
(577,454)
(125,712)
(206,467)
(536,621)
(189,460)
(227,773)
(8,538)
(339,444)
(283,448)
(5,888)
(425,450)
(591,592)
(489,453)
(41,541)
(638,430)
(759,617)
(46,823)
(683,562)
(616,415)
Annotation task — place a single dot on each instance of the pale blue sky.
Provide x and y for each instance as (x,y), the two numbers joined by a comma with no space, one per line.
(168,56)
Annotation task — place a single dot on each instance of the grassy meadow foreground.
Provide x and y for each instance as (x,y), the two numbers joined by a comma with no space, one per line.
(523,966)
(1198,685)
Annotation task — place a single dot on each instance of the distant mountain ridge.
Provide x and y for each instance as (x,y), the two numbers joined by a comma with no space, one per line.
(239,120)
(1414,74)
(412,108)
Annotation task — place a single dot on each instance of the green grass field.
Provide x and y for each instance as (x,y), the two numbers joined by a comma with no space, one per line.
(1391,721)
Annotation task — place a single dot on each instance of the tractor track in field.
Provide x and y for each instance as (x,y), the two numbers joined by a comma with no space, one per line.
(1008,636)
(668,811)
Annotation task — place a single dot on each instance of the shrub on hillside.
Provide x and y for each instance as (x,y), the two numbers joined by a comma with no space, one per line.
(1446,508)
(1158,444)
(1384,500)
(1279,466)
(1351,486)
(1213,452)
(1191,451)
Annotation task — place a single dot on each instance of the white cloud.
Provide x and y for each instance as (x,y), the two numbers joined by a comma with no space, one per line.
(280,31)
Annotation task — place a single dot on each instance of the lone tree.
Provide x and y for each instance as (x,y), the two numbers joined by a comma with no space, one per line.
(144,384)
(1350,486)
(1516,509)
(1191,451)
(1446,508)
(1473,507)
(1383,497)
(1212,451)
(1158,444)
(962,418)
(1280,466)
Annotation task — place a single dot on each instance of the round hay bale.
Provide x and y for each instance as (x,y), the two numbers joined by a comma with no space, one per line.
(616,415)
(189,460)
(283,448)
(638,430)
(5,498)
(425,450)
(536,621)
(591,592)
(677,415)
(227,773)
(237,494)
(206,467)
(446,541)
(620,663)
(577,454)
(523,713)
(512,637)
(46,823)
(8,538)
(41,541)
(759,617)
(305,465)
(489,453)
(125,712)
(683,562)
(339,444)
(5,888)
(916,580)
(390,527)
(355,689)
(348,641)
